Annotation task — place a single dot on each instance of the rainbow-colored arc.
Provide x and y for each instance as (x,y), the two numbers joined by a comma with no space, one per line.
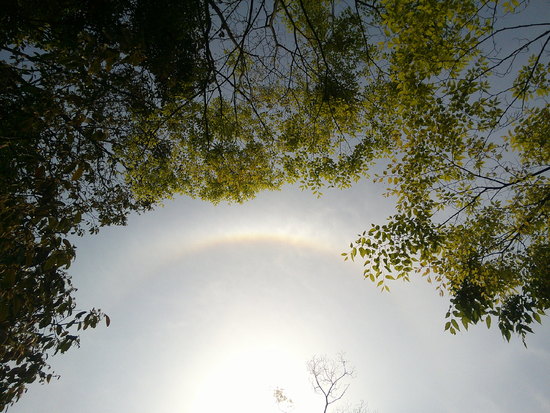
(173,247)
(301,241)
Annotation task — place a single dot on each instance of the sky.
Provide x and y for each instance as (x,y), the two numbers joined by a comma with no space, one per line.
(213,307)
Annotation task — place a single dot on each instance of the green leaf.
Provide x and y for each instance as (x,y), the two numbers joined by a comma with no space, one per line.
(64,346)
(455,324)
(507,335)
(78,173)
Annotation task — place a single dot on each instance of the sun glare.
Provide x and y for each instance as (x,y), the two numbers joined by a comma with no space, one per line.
(242,379)
(246,359)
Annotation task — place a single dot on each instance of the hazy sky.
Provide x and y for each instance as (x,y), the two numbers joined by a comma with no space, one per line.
(213,307)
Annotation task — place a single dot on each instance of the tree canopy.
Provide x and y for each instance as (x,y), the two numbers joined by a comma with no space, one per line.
(109,107)
(75,79)
(444,101)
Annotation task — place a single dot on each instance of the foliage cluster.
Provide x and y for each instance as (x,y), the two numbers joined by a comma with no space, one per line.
(108,107)
(75,79)
(433,94)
